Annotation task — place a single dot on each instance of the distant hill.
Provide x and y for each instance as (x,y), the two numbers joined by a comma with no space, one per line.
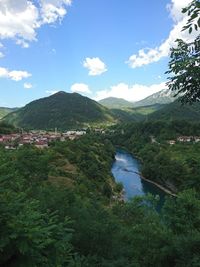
(177,111)
(62,110)
(135,114)
(127,115)
(5,111)
(162,97)
(115,103)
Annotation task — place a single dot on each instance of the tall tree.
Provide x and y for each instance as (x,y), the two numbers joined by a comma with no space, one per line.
(185,60)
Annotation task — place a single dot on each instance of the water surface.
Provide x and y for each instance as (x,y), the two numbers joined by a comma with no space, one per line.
(126,170)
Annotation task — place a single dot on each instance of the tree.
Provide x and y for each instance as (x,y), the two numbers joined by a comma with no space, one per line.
(185,60)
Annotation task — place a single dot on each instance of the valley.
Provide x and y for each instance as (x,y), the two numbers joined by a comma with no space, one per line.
(99,133)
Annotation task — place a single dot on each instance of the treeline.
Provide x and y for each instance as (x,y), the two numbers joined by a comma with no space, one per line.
(177,166)
(56,209)
(6,128)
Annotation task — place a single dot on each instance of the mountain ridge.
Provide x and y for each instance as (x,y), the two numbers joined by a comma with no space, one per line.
(115,103)
(164,96)
(62,110)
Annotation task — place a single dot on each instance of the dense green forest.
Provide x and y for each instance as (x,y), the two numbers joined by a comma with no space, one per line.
(177,166)
(57,209)
(6,128)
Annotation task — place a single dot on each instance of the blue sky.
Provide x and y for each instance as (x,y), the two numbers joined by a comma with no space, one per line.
(98,48)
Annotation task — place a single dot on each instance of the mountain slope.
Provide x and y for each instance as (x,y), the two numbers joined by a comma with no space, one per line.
(115,103)
(62,110)
(177,111)
(5,111)
(162,97)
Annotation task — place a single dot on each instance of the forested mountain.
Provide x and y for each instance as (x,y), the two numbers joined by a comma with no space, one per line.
(162,97)
(177,111)
(115,103)
(62,110)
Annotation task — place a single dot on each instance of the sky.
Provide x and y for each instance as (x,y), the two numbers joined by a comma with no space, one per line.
(98,48)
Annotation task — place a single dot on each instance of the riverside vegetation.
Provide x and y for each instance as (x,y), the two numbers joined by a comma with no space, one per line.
(57,208)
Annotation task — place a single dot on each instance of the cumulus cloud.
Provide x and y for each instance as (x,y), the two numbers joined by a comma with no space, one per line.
(20,19)
(15,75)
(52,92)
(53,10)
(28,85)
(80,88)
(175,9)
(133,92)
(1,54)
(95,66)
(150,55)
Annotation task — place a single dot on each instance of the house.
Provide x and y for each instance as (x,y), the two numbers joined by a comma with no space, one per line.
(41,144)
(184,138)
(9,147)
(197,139)
(171,142)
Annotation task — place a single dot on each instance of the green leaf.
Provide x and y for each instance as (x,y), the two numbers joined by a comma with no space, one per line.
(184,10)
(198,22)
(190,29)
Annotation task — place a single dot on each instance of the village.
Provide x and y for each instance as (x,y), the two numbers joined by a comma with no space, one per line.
(40,139)
(185,139)
(179,139)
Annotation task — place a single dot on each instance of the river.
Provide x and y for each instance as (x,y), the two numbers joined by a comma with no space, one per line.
(125,169)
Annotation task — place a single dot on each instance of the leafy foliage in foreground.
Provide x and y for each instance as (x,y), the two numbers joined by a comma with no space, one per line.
(185,60)
(55,211)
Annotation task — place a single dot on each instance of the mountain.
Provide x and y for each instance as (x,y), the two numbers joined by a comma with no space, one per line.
(115,103)
(62,110)
(165,96)
(5,111)
(177,111)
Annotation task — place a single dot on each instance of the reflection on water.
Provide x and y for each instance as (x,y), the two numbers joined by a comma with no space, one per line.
(125,169)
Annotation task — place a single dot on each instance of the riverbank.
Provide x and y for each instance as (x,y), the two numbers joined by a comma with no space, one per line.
(166,190)
(163,188)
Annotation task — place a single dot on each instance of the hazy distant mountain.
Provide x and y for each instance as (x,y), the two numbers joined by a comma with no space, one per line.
(115,103)
(177,111)
(165,96)
(4,111)
(62,110)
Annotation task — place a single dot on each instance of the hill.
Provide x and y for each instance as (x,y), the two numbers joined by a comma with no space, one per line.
(161,97)
(62,110)
(4,111)
(177,111)
(135,114)
(115,103)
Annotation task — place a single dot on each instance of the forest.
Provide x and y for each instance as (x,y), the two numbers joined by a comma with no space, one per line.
(57,209)
(177,166)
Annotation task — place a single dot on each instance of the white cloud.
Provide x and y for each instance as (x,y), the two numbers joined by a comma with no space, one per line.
(175,9)
(80,88)
(1,53)
(133,92)
(28,85)
(52,92)
(19,20)
(53,10)
(15,75)
(150,55)
(95,66)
